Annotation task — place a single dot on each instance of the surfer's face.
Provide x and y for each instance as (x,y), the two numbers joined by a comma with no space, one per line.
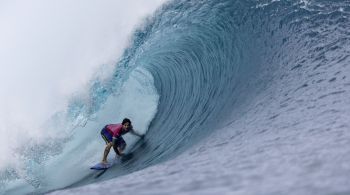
(126,126)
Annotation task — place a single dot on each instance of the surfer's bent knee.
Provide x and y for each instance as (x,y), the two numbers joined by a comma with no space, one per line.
(109,145)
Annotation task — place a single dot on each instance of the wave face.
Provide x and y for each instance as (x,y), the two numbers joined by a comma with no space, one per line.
(212,59)
(266,69)
(272,72)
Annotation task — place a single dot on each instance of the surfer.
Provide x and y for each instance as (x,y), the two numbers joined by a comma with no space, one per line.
(112,134)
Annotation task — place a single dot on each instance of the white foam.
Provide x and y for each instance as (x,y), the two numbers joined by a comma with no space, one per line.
(137,100)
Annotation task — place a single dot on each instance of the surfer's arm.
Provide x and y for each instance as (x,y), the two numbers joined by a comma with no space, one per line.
(132,131)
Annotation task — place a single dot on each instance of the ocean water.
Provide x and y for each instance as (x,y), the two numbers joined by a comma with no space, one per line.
(234,97)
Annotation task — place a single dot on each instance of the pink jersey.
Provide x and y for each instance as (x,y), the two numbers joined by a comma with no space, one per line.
(115,129)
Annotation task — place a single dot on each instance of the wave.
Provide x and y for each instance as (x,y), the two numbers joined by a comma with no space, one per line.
(202,64)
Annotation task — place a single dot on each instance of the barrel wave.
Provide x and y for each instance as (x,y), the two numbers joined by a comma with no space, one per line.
(230,94)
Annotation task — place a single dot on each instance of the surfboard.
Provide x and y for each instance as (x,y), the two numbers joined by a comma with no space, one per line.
(102,166)
(105,166)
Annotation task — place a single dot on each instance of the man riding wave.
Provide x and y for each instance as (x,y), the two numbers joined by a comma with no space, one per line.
(112,134)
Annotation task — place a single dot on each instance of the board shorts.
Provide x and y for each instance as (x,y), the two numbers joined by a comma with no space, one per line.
(108,137)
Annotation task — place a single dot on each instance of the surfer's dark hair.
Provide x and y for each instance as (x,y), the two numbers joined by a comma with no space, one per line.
(126,120)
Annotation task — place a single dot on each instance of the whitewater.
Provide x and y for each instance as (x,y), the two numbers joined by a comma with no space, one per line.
(234,97)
